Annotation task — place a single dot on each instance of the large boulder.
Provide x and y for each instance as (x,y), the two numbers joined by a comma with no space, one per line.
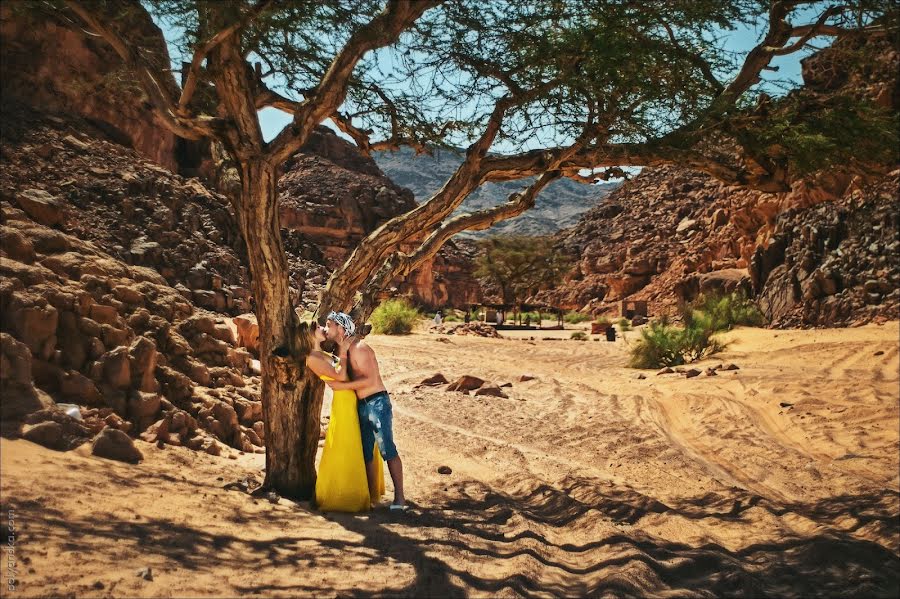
(18,395)
(248,332)
(113,444)
(43,207)
(466,383)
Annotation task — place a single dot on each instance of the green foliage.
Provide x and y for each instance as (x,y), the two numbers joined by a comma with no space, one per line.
(579,336)
(533,317)
(662,344)
(723,312)
(624,324)
(603,321)
(811,133)
(394,317)
(519,264)
(576,317)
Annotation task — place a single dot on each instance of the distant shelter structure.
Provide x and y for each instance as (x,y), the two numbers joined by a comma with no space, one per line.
(489,315)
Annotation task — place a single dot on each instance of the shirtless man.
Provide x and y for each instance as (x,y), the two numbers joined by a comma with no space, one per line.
(374,404)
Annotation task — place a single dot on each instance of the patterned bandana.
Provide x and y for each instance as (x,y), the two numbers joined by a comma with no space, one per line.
(344,321)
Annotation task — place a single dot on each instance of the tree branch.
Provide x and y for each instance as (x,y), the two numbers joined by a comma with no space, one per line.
(190,83)
(696,59)
(535,162)
(149,78)
(809,32)
(401,264)
(370,254)
(324,101)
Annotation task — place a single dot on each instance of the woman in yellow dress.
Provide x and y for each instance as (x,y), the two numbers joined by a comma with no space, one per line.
(341,484)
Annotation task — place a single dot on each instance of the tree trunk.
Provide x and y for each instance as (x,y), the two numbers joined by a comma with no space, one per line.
(291,395)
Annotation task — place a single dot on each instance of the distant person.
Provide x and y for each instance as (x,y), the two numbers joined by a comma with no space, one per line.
(438,318)
(467,317)
(528,320)
(499,318)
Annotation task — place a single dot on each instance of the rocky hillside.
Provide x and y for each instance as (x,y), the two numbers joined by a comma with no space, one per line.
(48,64)
(558,207)
(822,254)
(117,283)
(835,263)
(671,233)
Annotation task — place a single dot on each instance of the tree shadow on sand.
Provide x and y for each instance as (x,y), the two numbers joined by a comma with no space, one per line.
(491,524)
(478,524)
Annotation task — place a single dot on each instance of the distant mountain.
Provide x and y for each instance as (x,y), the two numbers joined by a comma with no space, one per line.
(559,206)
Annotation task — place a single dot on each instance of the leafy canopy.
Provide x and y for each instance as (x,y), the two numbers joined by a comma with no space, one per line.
(634,63)
(518,264)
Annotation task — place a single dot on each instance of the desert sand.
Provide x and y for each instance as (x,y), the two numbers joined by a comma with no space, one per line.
(779,478)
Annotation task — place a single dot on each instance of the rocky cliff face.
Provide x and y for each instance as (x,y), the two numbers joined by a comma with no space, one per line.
(107,263)
(47,64)
(65,174)
(672,233)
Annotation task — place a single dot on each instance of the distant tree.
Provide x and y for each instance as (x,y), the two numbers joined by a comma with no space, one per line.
(592,83)
(518,264)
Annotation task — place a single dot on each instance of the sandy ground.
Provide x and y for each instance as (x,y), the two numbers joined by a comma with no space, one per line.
(780,478)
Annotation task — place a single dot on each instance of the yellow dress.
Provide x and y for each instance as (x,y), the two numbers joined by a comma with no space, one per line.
(341,484)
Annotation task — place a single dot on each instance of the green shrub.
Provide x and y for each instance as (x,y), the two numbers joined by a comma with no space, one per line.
(575,317)
(723,312)
(394,317)
(452,316)
(535,317)
(624,324)
(662,344)
(579,336)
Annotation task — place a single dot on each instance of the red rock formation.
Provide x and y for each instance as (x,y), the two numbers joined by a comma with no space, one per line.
(334,196)
(447,279)
(50,66)
(672,233)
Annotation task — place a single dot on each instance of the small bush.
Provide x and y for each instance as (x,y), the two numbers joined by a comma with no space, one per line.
(575,317)
(723,312)
(602,321)
(535,317)
(394,317)
(452,316)
(662,344)
(579,336)
(624,324)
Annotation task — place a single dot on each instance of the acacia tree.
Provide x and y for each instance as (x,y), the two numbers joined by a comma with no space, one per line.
(517,264)
(589,83)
